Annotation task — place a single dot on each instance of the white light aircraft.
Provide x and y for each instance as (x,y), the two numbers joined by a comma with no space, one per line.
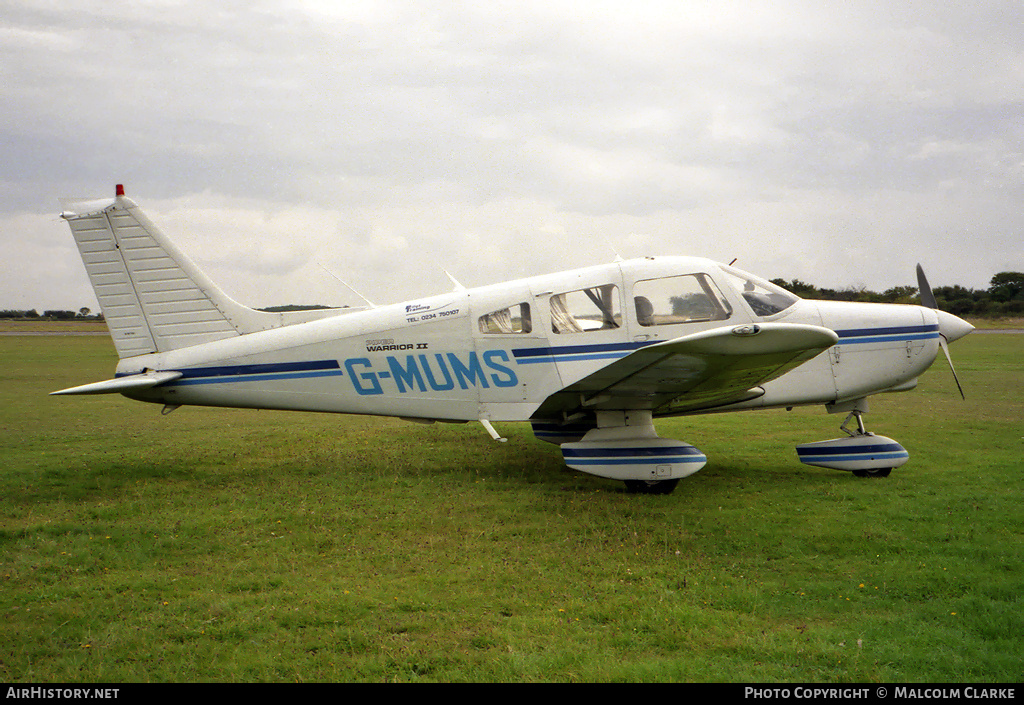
(589,357)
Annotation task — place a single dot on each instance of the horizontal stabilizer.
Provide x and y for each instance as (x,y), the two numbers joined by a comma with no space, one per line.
(122,384)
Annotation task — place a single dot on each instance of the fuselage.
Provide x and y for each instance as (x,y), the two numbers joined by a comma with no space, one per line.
(497,352)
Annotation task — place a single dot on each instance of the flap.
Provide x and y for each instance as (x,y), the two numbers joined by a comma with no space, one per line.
(703,370)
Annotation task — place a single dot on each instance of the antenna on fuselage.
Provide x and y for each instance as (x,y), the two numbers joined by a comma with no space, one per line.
(618,257)
(458,286)
(347,286)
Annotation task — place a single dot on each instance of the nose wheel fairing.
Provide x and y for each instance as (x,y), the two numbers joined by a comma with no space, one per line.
(861,452)
(866,452)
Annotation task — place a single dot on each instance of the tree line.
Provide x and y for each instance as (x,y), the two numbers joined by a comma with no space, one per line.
(1003,297)
(82,314)
(86,314)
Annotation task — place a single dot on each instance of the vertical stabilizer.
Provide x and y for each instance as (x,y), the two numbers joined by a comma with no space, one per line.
(153,297)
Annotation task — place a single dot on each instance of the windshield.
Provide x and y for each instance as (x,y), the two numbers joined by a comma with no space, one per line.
(763,297)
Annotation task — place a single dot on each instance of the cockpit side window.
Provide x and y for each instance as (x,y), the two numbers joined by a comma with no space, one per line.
(508,321)
(763,297)
(586,310)
(688,298)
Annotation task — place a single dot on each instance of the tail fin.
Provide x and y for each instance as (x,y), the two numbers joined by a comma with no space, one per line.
(153,297)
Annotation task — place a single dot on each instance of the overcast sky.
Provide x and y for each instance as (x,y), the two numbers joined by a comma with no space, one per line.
(286,144)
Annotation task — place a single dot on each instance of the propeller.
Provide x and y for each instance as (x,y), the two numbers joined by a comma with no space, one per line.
(927,297)
(950,327)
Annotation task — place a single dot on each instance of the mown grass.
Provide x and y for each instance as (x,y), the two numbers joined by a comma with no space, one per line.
(230,545)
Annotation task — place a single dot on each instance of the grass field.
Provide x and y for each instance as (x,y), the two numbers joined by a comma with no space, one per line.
(229,545)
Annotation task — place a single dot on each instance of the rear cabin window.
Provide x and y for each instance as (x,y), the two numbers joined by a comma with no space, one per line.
(586,310)
(511,320)
(689,298)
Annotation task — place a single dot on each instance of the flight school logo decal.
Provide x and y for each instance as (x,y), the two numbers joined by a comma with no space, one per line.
(418,313)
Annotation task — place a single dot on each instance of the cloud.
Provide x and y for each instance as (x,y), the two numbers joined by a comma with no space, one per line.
(391,140)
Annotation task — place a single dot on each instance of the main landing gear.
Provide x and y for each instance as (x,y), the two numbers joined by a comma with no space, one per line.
(624,446)
(651,486)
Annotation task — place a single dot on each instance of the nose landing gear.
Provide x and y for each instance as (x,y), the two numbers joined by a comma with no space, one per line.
(860,452)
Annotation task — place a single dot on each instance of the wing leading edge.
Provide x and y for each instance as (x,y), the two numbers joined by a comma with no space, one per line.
(699,371)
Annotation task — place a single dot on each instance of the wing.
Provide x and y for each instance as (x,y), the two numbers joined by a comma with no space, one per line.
(699,371)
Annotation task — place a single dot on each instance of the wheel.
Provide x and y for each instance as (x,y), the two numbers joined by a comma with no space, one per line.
(651,486)
(878,472)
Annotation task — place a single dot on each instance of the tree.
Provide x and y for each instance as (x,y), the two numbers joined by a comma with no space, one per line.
(1007,286)
(58,315)
(899,294)
(958,300)
(800,288)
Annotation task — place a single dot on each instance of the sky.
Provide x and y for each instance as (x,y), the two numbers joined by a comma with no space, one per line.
(290,146)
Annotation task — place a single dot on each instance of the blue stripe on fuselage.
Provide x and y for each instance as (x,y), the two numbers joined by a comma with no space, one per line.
(606,351)
(222,374)
(888,334)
